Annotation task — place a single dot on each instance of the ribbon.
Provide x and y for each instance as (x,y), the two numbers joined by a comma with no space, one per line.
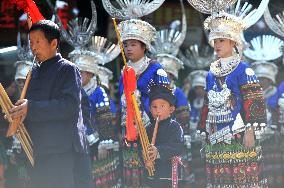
(129,83)
(176,160)
(29,7)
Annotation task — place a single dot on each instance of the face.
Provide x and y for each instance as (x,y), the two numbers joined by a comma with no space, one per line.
(134,50)
(265,82)
(86,77)
(20,83)
(11,89)
(161,108)
(199,91)
(224,47)
(41,47)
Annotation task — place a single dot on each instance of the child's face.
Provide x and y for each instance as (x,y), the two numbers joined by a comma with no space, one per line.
(161,108)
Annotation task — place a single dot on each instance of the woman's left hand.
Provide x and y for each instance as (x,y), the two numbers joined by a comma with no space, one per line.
(248,139)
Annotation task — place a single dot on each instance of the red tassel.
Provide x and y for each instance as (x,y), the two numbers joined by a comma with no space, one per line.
(29,7)
(129,82)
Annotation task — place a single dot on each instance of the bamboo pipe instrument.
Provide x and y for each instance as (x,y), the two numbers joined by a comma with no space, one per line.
(16,123)
(21,132)
(153,142)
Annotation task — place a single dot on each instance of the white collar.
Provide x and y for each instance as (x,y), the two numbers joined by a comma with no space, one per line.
(90,86)
(140,65)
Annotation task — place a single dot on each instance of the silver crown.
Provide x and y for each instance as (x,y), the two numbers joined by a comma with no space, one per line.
(22,69)
(129,9)
(264,48)
(80,30)
(170,63)
(265,69)
(197,78)
(196,57)
(210,6)
(248,17)
(24,51)
(138,30)
(104,50)
(85,60)
(168,41)
(230,23)
(275,24)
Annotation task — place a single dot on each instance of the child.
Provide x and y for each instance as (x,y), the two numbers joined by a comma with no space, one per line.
(169,138)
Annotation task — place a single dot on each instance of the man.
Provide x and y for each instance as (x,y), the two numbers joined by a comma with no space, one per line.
(53,116)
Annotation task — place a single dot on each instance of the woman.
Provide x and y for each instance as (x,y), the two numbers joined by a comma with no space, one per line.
(233,111)
(137,36)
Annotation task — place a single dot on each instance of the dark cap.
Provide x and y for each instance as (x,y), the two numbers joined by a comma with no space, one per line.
(162,92)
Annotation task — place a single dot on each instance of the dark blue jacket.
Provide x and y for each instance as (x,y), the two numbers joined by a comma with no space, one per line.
(55,119)
(169,142)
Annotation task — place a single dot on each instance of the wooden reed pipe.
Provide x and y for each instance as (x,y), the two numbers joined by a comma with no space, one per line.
(153,142)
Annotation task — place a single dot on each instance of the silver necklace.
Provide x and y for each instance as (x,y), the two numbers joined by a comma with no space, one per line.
(219,105)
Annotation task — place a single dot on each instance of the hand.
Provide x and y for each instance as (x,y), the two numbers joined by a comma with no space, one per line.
(29,21)
(248,139)
(148,164)
(20,110)
(152,152)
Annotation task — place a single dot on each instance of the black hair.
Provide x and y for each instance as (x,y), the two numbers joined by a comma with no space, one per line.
(49,28)
(162,92)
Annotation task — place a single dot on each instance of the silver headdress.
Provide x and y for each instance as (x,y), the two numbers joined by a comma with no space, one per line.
(105,75)
(79,34)
(170,63)
(275,24)
(105,51)
(264,48)
(168,41)
(265,69)
(24,51)
(25,58)
(197,78)
(210,6)
(129,9)
(228,22)
(196,57)
(138,30)
(80,30)
(86,61)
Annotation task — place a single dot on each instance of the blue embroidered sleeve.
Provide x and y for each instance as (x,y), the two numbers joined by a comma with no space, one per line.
(161,77)
(253,104)
(98,99)
(246,74)
(181,99)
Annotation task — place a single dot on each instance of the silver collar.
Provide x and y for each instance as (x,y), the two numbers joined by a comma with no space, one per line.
(224,66)
(140,66)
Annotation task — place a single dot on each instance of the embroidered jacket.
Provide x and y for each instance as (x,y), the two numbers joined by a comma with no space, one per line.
(101,113)
(153,74)
(245,103)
